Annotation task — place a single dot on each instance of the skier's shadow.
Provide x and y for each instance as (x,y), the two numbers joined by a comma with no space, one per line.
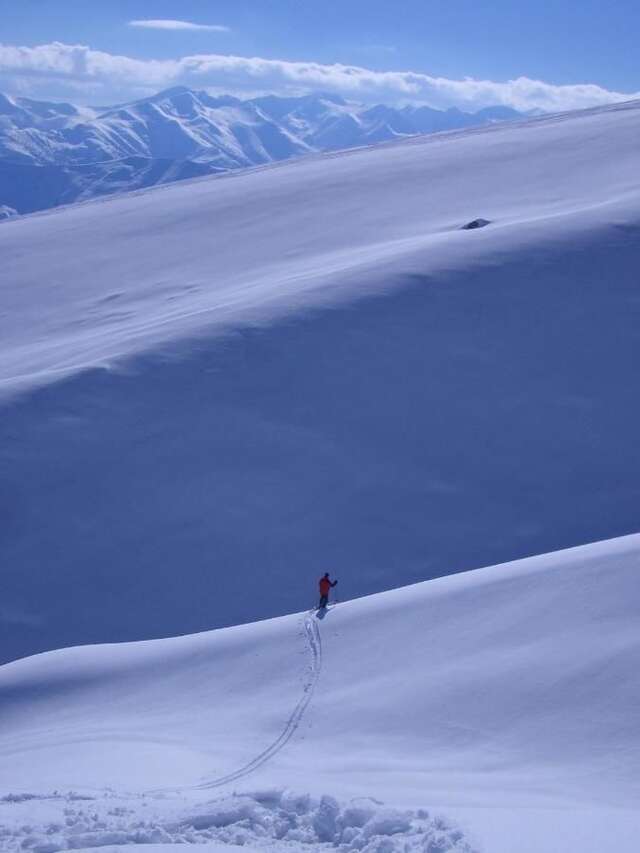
(321,612)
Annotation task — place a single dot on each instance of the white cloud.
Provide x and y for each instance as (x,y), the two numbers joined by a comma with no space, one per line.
(103,74)
(168,24)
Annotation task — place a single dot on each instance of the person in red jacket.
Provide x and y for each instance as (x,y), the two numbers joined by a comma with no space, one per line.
(325,586)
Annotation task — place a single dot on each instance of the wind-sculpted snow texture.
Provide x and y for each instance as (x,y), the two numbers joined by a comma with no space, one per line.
(504,698)
(215,391)
(53,154)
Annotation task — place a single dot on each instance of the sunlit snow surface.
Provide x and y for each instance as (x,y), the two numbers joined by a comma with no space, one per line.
(104,279)
(505,700)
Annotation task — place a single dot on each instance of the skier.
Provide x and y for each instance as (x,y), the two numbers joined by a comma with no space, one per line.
(325,585)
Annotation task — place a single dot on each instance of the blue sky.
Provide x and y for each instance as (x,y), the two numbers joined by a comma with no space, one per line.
(542,55)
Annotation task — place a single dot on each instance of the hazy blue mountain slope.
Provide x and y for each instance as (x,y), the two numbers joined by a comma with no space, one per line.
(50,186)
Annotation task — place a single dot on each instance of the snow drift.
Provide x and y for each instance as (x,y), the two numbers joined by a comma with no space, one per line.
(505,698)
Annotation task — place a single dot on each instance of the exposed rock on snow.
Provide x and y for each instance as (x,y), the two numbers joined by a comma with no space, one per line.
(476,223)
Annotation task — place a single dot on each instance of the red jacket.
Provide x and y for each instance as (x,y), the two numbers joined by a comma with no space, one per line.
(325,585)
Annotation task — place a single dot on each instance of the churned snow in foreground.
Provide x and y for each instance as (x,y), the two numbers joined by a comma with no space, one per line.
(494,710)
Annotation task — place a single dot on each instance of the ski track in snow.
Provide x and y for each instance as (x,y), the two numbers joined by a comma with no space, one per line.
(276,819)
(314,642)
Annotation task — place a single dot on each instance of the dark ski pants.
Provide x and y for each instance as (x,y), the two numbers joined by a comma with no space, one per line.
(324,600)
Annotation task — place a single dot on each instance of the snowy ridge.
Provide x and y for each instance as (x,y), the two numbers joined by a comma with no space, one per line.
(405,711)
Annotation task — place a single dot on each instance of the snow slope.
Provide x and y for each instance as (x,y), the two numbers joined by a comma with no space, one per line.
(230,249)
(312,367)
(506,698)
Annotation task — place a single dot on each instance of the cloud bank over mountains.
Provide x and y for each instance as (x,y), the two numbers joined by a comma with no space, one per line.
(65,70)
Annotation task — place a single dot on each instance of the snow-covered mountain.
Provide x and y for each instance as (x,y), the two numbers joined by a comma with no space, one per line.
(215,390)
(54,154)
(494,710)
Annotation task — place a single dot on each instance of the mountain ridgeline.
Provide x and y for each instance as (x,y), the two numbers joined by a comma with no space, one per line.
(57,153)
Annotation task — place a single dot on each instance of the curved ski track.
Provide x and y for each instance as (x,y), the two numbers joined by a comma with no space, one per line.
(314,642)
